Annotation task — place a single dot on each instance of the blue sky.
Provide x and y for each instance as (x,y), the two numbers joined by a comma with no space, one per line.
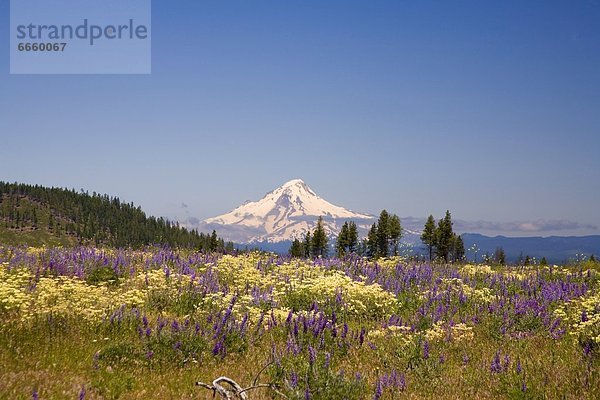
(490,110)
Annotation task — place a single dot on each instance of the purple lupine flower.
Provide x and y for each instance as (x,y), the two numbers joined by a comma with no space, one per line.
(82,393)
(523,386)
(495,365)
(378,390)
(243,324)
(294,379)
(361,338)
(519,368)
(291,345)
(426,350)
(402,382)
(372,345)
(506,363)
(587,348)
(161,324)
(312,355)
(149,354)
(307,395)
(327,359)
(442,359)
(34,394)
(465,359)
(584,316)
(345,331)
(217,348)
(260,321)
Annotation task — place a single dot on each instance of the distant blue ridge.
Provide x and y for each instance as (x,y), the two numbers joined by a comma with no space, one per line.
(556,249)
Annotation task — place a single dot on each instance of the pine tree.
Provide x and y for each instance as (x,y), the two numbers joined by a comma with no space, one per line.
(500,256)
(214,241)
(543,262)
(372,241)
(352,237)
(444,236)
(459,248)
(296,250)
(319,240)
(308,245)
(383,234)
(428,237)
(395,230)
(341,244)
(347,240)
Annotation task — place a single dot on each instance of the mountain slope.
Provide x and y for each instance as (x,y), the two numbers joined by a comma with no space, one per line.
(37,215)
(284,214)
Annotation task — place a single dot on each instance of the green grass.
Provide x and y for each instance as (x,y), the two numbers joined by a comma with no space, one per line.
(59,365)
(39,237)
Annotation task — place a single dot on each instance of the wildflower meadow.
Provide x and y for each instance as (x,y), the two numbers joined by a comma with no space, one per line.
(89,323)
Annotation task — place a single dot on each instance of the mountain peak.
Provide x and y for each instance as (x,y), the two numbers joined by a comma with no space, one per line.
(295,187)
(293,182)
(285,213)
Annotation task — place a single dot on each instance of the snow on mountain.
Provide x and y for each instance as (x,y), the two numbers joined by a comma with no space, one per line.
(284,214)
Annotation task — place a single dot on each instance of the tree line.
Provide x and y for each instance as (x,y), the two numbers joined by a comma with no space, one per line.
(95,219)
(383,239)
(315,244)
(441,240)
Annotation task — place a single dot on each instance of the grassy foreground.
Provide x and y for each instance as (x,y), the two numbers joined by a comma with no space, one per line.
(88,323)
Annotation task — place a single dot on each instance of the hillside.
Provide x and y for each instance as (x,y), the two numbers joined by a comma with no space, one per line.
(37,215)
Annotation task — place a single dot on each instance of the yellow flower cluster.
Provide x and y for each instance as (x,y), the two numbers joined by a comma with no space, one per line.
(243,305)
(458,332)
(359,297)
(392,330)
(61,297)
(582,316)
(390,262)
(473,270)
(288,284)
(299,279)
(401,335)
(14,290)
(456,285)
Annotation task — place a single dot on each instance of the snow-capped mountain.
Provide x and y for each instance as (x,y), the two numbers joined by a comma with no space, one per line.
(284,214)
